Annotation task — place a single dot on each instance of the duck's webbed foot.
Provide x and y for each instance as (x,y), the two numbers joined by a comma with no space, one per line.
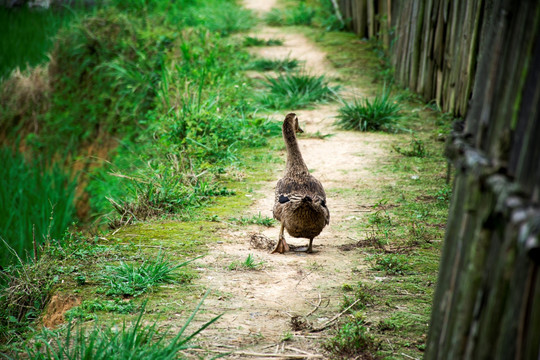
(282,245)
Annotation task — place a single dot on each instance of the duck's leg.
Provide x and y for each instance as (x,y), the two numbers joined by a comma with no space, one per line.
(282,245)
(310,247)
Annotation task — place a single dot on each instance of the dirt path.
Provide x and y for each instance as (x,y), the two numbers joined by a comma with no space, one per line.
(258,305)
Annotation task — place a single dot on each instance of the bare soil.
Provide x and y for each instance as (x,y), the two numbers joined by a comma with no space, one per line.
(294,291)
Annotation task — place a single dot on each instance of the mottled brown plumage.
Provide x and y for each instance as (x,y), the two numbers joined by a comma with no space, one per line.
(300,202)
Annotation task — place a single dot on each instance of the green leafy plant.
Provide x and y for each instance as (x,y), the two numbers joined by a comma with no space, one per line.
(416,149)
(296,90)
(379,114)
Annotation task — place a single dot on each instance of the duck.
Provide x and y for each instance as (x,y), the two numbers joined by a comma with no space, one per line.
(300,199)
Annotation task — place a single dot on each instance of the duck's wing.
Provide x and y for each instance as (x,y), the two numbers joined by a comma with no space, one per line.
(298,188)
(290,190)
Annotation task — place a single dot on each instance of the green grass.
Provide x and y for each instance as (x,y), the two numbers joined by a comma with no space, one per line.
(134,341)
(254,220)
(382,113)
(32,27)
(37,204)
(296,90)
(273,64)
(88,309)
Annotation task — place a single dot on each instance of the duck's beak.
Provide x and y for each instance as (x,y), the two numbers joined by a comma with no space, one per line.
(298,128)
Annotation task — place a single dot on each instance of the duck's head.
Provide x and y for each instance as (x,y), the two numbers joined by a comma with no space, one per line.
(292,119)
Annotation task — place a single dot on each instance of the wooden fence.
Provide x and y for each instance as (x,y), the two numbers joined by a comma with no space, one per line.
(487,301)
(433,44)
(483,58)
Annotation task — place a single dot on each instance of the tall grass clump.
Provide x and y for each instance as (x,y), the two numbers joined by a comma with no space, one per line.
(133,280)
(380,114)
(255,41)
(299,15)
(135,341)
(28,35)
(37,203)
(296,90)
(273,64)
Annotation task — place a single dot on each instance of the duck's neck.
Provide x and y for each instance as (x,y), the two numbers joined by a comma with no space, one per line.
(295,162)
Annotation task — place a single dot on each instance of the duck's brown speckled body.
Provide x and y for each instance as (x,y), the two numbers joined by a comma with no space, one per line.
(300,202)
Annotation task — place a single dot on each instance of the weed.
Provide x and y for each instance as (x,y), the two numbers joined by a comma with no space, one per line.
(290,91)
(350,340)
(392,264)
(416,149)
(255,220)
(273,64)
(361,294)
(255,41)
(129,342)
(249,264)
(444,194)
(380,114)
(287,336)
(132,280)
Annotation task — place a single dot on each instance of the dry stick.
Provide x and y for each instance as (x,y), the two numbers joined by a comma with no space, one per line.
(34,241)
(121,227)
(316,306)
(298,350)
(410,357)
(326,324)
(247,353)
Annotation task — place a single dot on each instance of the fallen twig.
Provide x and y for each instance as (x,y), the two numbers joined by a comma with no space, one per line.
(316,306)
(264,355)
(408,356)
(329,322)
